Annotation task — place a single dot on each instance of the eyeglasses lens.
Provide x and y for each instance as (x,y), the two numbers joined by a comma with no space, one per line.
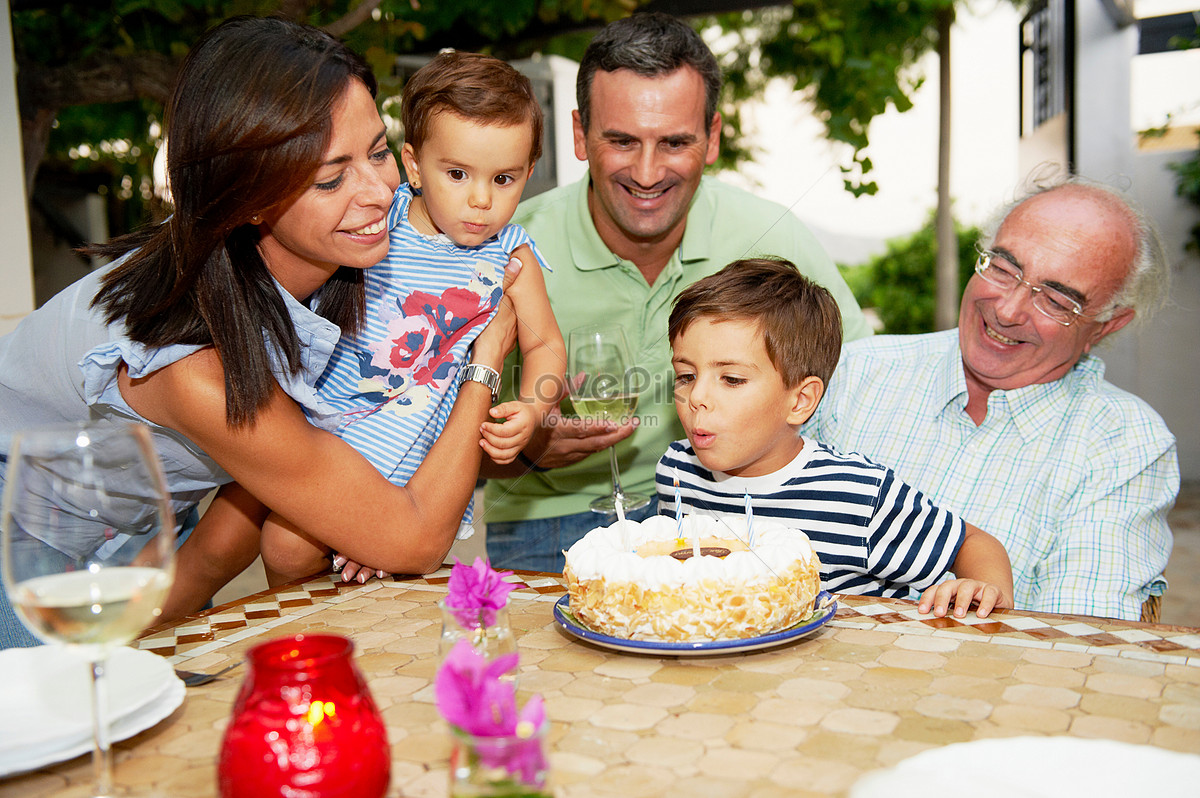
(1052,304)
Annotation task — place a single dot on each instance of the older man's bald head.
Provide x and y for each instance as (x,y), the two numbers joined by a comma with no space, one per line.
(1108,224)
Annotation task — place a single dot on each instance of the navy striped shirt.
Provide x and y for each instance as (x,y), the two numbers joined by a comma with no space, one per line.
(874,534)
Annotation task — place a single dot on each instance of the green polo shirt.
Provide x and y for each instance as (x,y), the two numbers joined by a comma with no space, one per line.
(591,285)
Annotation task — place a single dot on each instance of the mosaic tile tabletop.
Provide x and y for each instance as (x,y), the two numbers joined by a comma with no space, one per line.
(875,685)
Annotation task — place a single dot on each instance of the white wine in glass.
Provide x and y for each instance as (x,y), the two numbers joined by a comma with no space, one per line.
(88,541)
(603,385)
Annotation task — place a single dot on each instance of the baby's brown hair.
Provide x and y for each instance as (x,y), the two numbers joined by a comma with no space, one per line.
(799,320)
(476,87)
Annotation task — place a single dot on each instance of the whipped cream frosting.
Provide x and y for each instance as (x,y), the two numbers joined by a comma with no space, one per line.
(611,552)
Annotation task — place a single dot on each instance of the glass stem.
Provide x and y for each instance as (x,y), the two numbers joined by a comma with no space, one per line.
(101,749)
(616,477)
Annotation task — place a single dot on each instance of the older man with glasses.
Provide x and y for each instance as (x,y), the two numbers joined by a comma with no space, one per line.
(1008,421)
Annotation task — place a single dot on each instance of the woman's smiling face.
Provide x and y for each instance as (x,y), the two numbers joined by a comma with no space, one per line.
(341,219)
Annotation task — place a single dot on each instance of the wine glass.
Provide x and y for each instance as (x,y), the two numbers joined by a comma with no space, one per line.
(88,542)
(603,386)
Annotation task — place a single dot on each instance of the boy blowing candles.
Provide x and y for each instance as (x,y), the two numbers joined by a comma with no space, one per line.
(753,348)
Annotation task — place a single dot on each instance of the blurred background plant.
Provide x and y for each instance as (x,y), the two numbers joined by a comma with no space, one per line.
(1187,171)
(93,77)
(1187,185)
(899,285)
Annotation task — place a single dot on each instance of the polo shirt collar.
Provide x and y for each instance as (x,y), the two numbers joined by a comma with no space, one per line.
(591,253)
(587,248)
(698,234)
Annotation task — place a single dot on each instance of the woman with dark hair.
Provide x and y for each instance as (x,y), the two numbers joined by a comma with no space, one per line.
(213,326)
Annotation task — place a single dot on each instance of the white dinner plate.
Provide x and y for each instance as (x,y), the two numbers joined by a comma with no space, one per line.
(46,694)
(1035,767)
(577,628)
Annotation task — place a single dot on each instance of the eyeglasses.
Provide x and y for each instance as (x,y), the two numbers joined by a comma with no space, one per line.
(1050,302)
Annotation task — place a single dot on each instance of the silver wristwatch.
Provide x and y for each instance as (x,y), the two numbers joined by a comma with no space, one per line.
(487,375)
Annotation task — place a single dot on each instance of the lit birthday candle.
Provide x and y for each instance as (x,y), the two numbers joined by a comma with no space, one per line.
(621,523)
(749,522)
(679,521)
(678,510)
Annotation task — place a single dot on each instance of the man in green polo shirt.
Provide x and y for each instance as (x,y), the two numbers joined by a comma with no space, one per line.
(623,242)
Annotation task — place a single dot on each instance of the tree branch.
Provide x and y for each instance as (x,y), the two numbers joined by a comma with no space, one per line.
(352,19)
(42,91)
(101,79)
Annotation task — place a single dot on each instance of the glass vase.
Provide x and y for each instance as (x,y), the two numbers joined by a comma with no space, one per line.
(510,766)
(304,725)
(488,631)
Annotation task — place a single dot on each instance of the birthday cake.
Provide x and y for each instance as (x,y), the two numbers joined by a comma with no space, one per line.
(643,581)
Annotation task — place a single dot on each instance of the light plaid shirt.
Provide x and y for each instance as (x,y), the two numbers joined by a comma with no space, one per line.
(1074,477)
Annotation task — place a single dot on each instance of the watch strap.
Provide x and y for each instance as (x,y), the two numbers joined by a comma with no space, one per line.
(477,372)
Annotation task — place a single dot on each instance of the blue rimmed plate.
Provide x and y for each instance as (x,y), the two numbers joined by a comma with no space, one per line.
(576,628)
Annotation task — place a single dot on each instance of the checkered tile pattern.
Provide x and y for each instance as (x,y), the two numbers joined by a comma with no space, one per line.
(258,614)
(1029,630)
(253,615)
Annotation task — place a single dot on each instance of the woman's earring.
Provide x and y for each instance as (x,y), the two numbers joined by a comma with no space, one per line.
(256,219)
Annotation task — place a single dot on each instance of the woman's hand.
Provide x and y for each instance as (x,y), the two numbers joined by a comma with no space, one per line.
(500,335)
(354,572)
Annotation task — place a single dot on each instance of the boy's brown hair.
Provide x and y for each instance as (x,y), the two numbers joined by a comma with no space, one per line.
(475,87)
(799,320)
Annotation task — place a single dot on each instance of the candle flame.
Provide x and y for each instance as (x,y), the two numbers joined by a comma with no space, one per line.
(319,710)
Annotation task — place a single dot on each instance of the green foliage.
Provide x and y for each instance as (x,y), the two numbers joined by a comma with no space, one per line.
(854,58)
(901,286)
(62,41)
(1187,185)
(118,154)
(1187,172)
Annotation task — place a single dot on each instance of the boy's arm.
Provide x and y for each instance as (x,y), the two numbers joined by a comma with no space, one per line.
(223,544)
(984,577)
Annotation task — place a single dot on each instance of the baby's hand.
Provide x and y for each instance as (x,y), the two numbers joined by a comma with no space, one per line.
(503,442)
(963,593)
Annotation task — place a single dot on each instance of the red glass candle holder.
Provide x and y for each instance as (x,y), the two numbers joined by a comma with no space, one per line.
(304,725)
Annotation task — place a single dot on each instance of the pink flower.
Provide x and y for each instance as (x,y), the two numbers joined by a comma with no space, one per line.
(470,696)
(476,592)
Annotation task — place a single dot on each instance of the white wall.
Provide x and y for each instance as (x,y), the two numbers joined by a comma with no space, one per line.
(564,71)
(16,270)
(1160,361)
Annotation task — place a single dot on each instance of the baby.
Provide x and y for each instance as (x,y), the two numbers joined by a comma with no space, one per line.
(473,131)
(753,347)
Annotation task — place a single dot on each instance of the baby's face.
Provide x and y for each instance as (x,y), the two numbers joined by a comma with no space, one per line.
(471,177)
(735,409)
